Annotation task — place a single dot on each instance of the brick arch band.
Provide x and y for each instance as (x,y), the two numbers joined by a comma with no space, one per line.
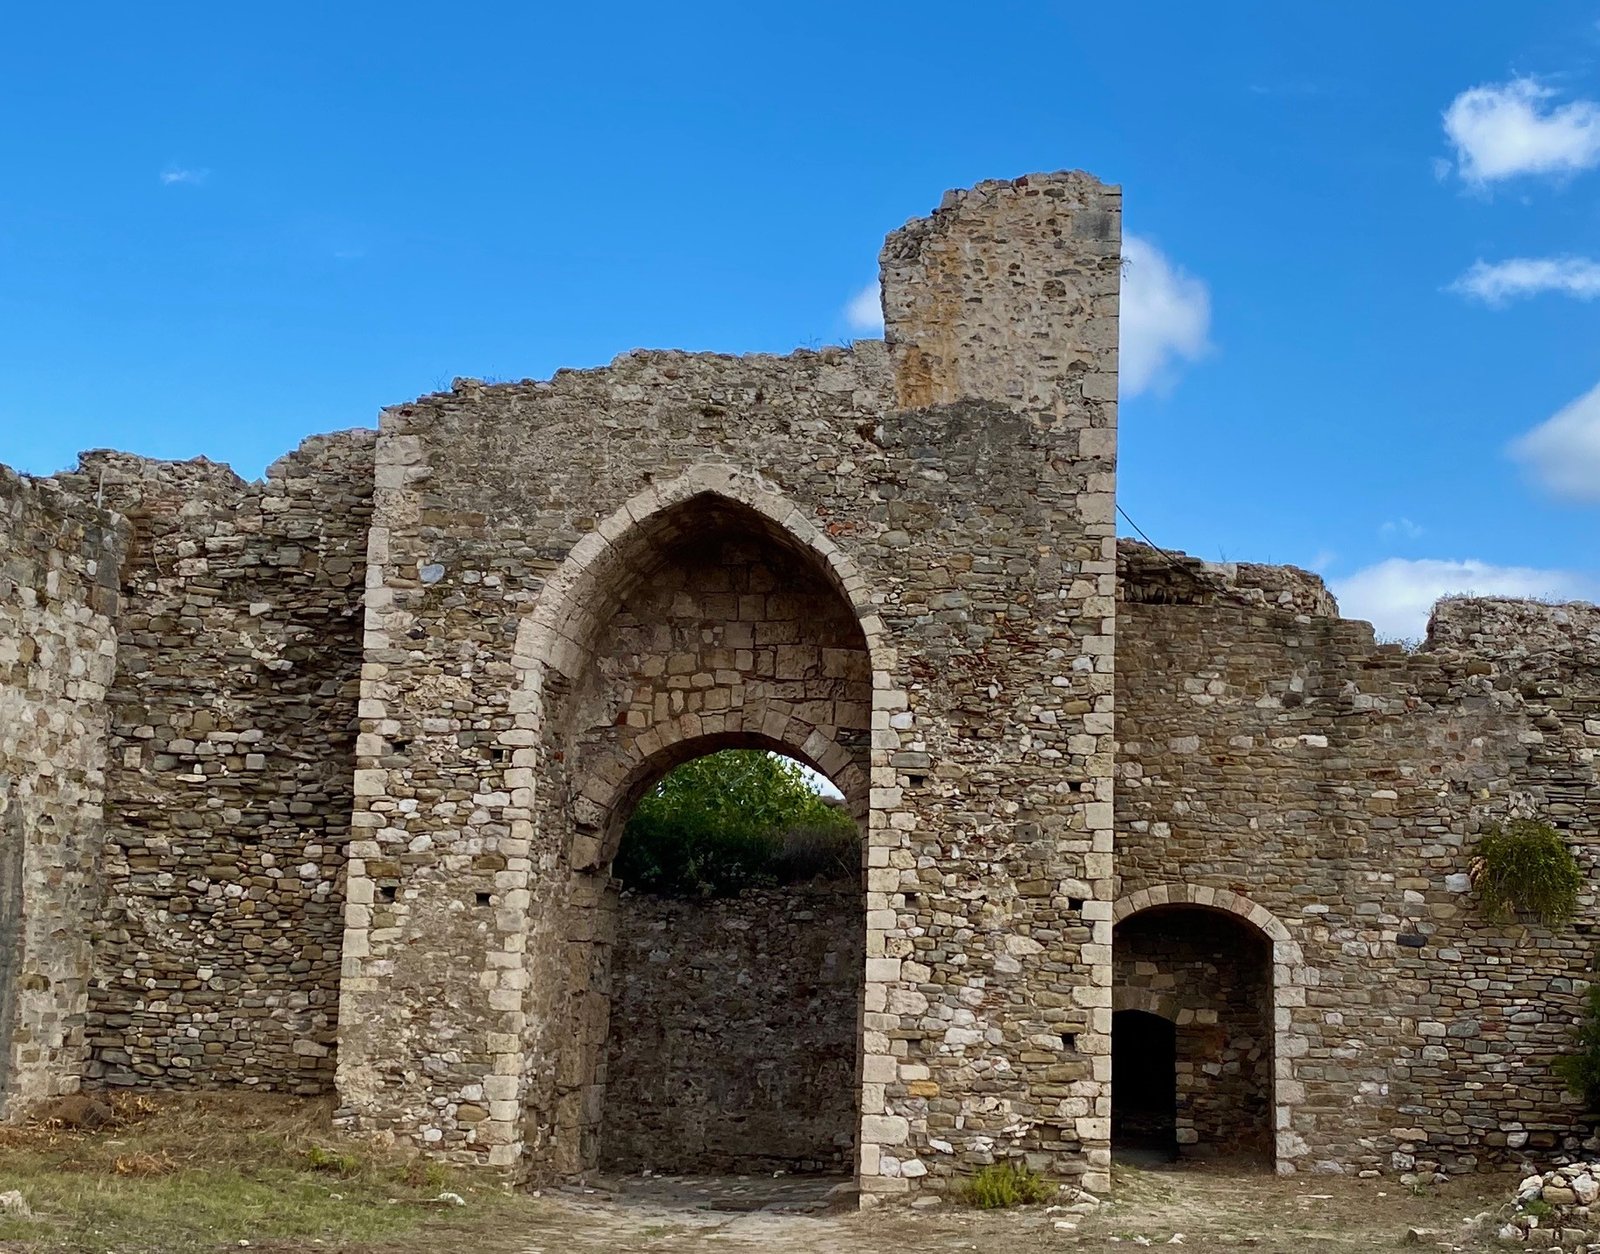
(1289,978)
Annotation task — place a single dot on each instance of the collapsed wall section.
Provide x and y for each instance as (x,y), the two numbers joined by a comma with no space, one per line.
(228,789)
(1270,750)
(59,568)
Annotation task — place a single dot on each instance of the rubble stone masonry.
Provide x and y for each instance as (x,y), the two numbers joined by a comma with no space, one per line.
(59,566)
(231,740)
(315,783)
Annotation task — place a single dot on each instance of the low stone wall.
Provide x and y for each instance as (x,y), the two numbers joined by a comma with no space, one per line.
(733,1032)
(59,565)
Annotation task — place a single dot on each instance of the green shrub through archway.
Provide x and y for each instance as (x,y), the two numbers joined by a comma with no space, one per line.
(735,819)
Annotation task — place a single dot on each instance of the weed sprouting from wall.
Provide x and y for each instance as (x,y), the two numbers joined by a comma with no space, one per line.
(1524,868)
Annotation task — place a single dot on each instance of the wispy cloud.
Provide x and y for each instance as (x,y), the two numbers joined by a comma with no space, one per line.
(176,174)
(1166,317)
(1502,281)
(1403,528)
(1502,130)
(1563,452)
(864,311)
(1396,595)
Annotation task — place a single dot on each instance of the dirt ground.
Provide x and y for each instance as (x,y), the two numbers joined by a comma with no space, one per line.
(1212,1209)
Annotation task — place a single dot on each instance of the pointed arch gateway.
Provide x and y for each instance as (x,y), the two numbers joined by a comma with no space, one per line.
(708,612)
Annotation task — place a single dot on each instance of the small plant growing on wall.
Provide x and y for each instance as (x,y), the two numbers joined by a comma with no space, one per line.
(1581,1069)
(1524,868)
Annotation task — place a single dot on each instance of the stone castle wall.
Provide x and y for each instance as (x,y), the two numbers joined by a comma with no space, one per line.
(953,489)
(733,1032)
(346,753)
(60,561)
(1338,786)
(228,785)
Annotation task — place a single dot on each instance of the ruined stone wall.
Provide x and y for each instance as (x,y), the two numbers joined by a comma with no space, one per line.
(1338,786)
(733,1032)
(228,791)
(59,567)
(1210,976)
(954,490)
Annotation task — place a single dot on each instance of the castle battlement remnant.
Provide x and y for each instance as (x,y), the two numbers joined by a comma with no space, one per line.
(314,784)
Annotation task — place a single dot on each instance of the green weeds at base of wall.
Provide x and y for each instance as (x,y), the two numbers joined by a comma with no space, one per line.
(1524,868)
(1000,1185)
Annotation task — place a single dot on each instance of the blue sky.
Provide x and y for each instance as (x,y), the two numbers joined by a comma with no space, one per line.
(223,228)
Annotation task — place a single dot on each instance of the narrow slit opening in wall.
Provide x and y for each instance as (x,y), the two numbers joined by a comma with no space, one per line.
(736,973)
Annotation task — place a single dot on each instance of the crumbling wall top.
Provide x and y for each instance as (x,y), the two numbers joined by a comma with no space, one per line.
(1510,627)
(1163,577)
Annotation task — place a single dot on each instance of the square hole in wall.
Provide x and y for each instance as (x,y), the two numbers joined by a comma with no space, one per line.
(386,892)
(481,898)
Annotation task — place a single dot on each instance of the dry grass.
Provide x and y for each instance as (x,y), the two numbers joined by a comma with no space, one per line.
(207,1172)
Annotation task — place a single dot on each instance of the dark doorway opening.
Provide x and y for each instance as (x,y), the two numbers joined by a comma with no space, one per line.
(1144,1084)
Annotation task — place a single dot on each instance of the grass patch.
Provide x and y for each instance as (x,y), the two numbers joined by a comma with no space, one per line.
(205,1172)
(1000,1185)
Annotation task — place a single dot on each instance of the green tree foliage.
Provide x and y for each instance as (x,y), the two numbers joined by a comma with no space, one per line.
(737,819)
(1581,1070)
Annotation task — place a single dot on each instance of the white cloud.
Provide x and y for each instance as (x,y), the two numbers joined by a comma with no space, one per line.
(178,174)
(1563,452)
(1529,276)
(1501,130)
(1396,595)
(1166,317)
(865,309)
(1402,527)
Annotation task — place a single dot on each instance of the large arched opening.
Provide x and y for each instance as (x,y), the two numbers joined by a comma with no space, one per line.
(694,622)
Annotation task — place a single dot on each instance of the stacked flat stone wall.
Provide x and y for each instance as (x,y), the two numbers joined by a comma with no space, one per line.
(228,793)
(952,490)
(733,1032)
(59,566)
(1276,762)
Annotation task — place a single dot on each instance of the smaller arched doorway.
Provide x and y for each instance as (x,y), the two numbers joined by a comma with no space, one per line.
(1144,1084)
(1192,1036)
